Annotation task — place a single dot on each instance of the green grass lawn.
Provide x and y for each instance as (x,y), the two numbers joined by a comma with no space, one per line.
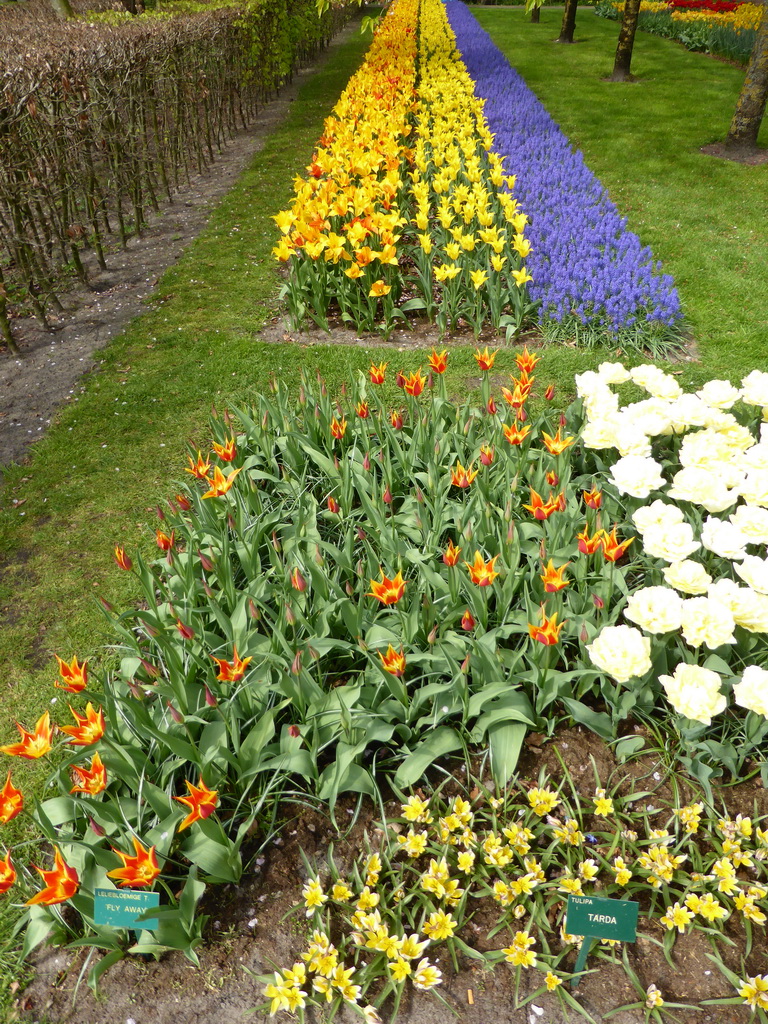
(705,218)
(94,480)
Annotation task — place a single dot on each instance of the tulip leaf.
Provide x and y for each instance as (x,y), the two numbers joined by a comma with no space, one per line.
(441,741)
(505,742)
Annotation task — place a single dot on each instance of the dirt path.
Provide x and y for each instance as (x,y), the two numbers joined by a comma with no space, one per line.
(53,363)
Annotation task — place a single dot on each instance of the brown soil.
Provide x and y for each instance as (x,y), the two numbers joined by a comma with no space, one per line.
(249,934)
(738,156)
(33,387)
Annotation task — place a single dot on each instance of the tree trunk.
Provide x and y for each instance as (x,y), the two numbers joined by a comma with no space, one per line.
(751,103)
(62,9)
(569,22)
(626,42)
(536,15)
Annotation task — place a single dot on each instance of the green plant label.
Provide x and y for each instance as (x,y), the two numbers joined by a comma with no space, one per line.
(119,908)
(601,918)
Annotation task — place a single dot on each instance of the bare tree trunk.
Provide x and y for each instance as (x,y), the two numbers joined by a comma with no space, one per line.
(750,106)
(536,15)
(569,22)
(62,9)
(626,42)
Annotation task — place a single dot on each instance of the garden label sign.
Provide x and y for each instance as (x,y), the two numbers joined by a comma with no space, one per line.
(595,917)
(119,908)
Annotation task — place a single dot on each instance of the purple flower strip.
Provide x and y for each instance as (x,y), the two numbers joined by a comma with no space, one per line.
(585,262)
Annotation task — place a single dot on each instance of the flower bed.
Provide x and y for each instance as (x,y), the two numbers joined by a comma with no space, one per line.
(590,273)
(355,589)
(404,209)
(403,910)
(720,27)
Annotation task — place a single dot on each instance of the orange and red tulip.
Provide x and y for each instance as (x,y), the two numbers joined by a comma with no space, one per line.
(220,484)
(139,871)
(32,744)
(89,780)
(553,579)
(74,676)
(200,468)
(227,451)
(7,874)
(451,554)
(201,802)
(61,883)
(376,373)
(122,559)
(232,671)
(612,548)
(548,631)
(11,801)
(388,591)
(438,361)
(461,477)
(482,573)
(393,661)
(89,729)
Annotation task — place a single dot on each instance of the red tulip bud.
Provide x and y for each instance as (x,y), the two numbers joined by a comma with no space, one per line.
(521,415)
(176,715)
(387,496)
(366,462)
(432,637)
(361,534)
(186,631)
(106,605)
(510,533)
(253,611)
(419,496)
(290,618)
(210,700)
(294,731)
(335,462)
(597,601)
(349,589)
(296,664)
(96,828)
(553,479)
(562,419)
(160,513)
(135,691)
(207,589)
(264,421)
(297,581)
(302,396)
(205,562)
(151,670)
(275,541)
(467,620)
(583,634)
(549,394)
(465,665)
(491,407)
(400,379)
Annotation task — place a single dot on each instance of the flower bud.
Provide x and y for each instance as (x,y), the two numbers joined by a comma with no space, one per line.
(296,664)
(205,562)
(176,715)
(597,601)
(491,407)
(366,462)
(294,731)
(253,611)
(96,828)
(432,637)
(210,700)
(583,634)
(552,478)
(549,394)
(387,496)
(467,620)
(290,618)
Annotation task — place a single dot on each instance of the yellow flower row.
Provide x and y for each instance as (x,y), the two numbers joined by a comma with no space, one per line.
(746,16)
(408,179)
